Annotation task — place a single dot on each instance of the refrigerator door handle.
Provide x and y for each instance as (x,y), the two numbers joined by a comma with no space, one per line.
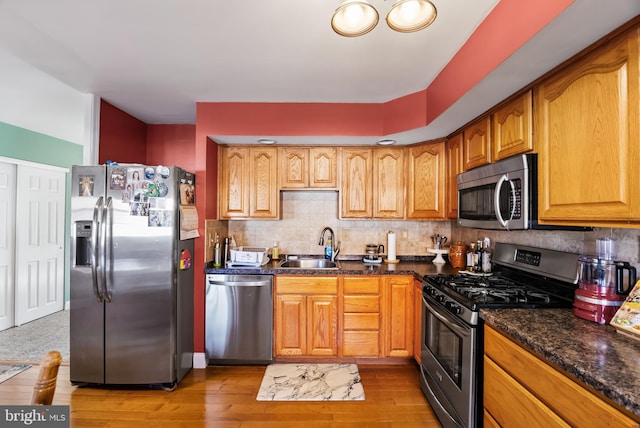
(105,243)
(95,235)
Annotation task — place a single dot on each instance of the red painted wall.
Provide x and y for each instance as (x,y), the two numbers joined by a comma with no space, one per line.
(172,145)
(123,138)
(290,118)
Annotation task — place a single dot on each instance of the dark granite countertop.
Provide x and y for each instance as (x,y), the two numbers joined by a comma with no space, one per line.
(418,266)
(595,354)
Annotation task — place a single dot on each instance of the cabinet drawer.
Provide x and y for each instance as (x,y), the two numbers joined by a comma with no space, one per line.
(361,304)
(361,343)
(574,403)
(361,285)
(509,403)
(361,321)
(310,284)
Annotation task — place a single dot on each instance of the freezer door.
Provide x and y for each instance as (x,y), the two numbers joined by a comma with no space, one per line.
(140,330)
(87,314)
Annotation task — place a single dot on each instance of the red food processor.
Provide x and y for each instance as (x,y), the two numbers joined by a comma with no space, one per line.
(603,283)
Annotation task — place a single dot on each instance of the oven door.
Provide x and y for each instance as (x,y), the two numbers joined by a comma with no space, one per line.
(449,365)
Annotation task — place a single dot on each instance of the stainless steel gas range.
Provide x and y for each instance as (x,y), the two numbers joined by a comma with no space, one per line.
(452,340)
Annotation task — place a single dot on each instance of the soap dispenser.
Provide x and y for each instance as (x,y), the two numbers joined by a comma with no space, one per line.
(328,250)
(275,251)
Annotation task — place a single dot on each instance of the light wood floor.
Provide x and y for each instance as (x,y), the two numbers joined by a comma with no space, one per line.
(226,397)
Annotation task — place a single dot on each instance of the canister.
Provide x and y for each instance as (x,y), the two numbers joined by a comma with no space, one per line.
(457,255)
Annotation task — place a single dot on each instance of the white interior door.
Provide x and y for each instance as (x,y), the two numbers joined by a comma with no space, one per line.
(40,216)
(7,244)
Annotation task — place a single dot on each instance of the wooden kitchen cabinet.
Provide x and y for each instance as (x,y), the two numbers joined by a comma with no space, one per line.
(476,139)
(397,318)
(417,320)
(248,183)
(306,316)
(361,335)
(388,182)
(519,386)
(308,168)
(356,184)
(455,165)
(587,121)
(512,126)
(426,181)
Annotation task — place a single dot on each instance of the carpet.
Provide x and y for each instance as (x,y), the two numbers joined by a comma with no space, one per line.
(7,371)
(30,342)
(311,382)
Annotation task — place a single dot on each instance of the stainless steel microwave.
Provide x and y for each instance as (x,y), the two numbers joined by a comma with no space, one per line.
(501,195)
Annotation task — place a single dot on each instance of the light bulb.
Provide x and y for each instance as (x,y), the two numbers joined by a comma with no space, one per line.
(408,10)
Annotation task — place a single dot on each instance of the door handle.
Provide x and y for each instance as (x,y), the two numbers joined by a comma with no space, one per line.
(95,235)
(106,243)
(496,200)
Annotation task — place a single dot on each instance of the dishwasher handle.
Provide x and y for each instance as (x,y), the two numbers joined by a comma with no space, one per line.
(240,283)
(240,280)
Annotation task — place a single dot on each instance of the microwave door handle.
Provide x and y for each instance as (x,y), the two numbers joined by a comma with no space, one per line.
(496,200)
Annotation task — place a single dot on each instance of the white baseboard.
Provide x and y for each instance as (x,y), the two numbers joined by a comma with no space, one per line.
(199,360)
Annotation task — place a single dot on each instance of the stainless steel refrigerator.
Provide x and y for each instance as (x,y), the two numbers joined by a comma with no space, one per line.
(131,275)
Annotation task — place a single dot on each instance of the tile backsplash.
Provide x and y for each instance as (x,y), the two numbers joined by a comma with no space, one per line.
(306,213)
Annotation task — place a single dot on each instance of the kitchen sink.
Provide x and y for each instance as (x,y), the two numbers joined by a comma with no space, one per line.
(308,264)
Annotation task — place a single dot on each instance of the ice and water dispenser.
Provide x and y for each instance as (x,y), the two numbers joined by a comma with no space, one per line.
(83,243)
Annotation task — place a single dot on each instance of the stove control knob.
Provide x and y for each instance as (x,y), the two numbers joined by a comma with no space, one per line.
(429,290)
(452,307)
(440,298)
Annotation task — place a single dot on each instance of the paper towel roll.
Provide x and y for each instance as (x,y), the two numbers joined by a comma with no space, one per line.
(391,246)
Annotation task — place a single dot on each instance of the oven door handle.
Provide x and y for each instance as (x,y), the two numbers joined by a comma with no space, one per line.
(496,200)
(460,330)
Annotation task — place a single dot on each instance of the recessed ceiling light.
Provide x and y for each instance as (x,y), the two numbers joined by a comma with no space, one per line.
(266,141)
(386,142)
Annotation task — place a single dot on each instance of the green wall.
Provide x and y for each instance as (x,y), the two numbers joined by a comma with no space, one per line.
(22,144)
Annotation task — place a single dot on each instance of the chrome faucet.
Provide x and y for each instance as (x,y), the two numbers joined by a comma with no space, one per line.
(336,249)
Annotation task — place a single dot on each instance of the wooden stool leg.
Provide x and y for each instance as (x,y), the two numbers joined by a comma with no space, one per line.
(45,385)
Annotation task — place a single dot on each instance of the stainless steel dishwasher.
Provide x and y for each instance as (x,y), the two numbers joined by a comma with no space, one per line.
(239,319)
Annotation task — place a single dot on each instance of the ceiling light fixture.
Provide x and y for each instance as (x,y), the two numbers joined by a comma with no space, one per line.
(386,142)
(407,16)
(357,17)
(354,18)
(266,141)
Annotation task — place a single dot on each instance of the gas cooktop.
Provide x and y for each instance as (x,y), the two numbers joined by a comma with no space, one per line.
(523,277)
(497,291)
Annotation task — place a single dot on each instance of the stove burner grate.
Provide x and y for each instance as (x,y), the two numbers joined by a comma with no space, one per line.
(493,291)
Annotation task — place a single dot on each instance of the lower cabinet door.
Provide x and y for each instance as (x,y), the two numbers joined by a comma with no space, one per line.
(322,333)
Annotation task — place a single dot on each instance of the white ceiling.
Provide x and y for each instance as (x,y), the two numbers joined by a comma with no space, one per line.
(156,58)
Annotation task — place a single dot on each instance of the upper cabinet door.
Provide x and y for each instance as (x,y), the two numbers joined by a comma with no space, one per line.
(426,186)
(308,168)
(587,121)
(477,143)
(355,183)
(513,128)
(233,177)
(294,167)
(248,187)
(323,171)
(264,186)
(455,165)
(388,183)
